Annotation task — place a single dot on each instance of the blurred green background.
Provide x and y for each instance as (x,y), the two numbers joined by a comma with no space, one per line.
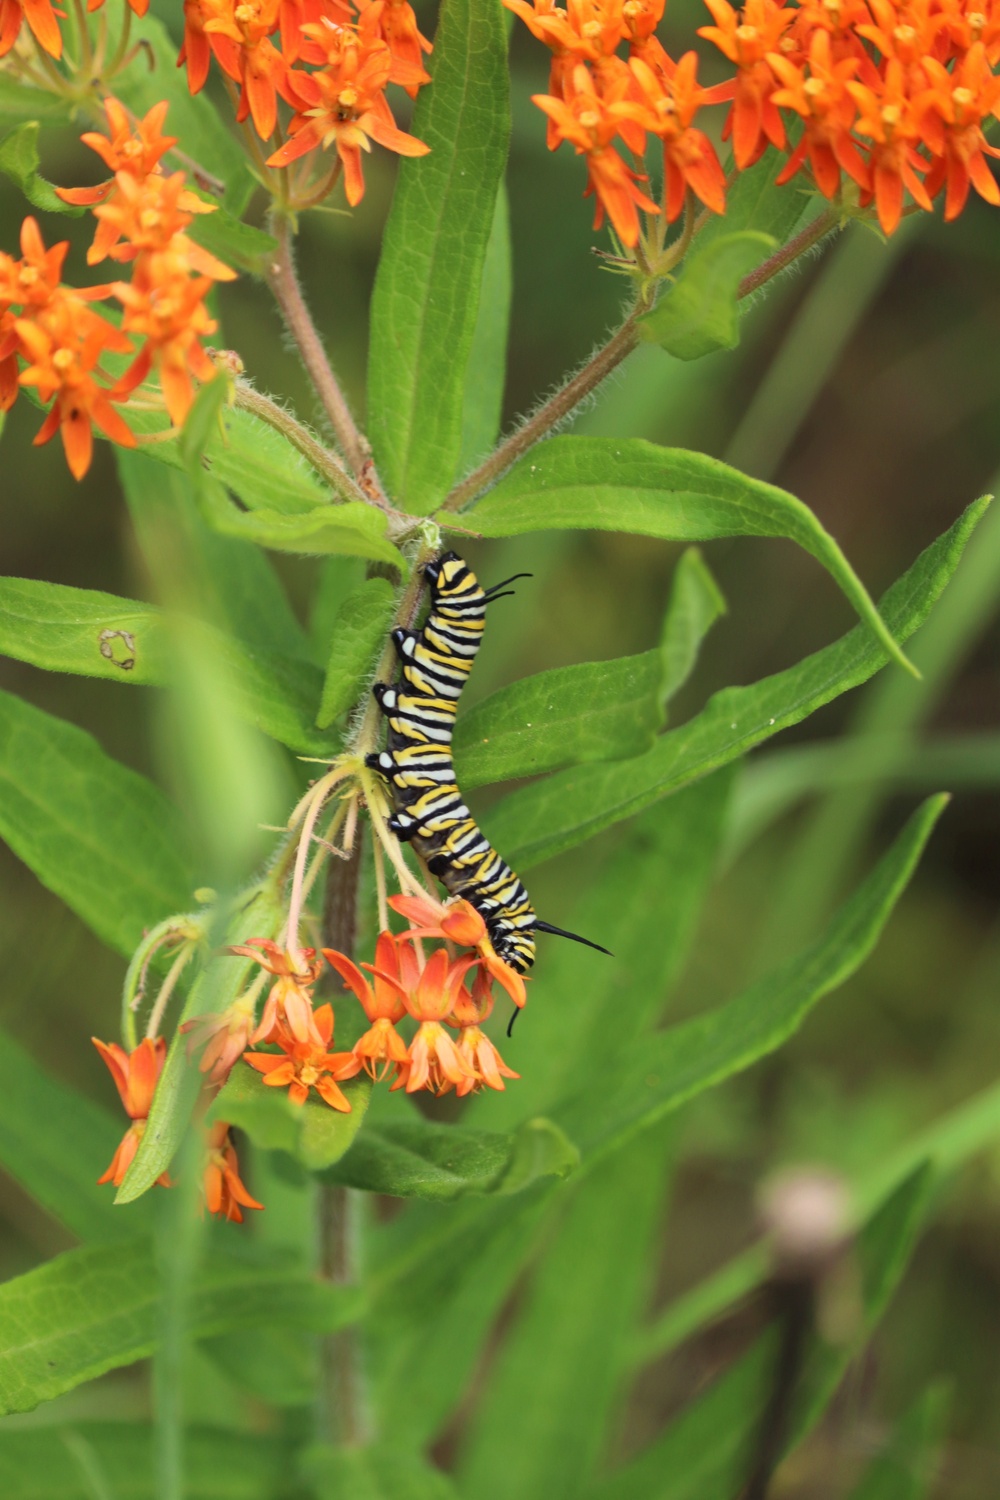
(868,384)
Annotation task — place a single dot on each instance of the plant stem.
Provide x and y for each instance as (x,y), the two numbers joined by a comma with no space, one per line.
(555,410)
(782,259)
(322,460)
(343,1415)
(284,283)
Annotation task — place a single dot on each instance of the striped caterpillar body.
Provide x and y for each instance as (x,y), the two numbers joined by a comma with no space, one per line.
(435,662)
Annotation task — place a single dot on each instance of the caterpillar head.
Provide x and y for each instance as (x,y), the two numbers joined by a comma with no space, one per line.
(433,570)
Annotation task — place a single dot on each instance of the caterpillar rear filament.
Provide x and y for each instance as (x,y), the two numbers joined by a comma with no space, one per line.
(420,709)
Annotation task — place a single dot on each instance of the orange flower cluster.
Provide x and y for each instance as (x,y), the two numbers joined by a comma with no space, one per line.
(142,216)
(43,22)
(892,94)
(345,54)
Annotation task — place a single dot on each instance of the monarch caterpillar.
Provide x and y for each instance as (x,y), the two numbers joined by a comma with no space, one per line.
(420,708)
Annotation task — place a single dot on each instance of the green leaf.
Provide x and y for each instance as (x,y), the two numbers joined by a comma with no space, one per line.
(236,579)
(221,981)
(696,603)
(57,1462)
(19,102)
(313,1133)
(906,1469)
(484,387)
(414,1159)
(56,1166)
(679,496)
(583,1299)
(95,1309)
(236,244)
(83,631)
(542,820)
(202,422)
(426,295)
(755,201)
(274,1364)
(352,529)
(378,1473)
(359,633)
(701,311)
(675,1065)
(100,836)
(703,1455)
(19,161)
(603,710)
(212,157)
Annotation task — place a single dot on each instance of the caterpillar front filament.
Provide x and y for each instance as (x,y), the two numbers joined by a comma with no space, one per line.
(420,709)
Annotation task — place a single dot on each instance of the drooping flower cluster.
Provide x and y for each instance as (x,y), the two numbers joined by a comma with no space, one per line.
(329,60)
(60,338)
(891,96)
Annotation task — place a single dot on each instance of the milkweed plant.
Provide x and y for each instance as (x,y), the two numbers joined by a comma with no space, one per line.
(337,1154)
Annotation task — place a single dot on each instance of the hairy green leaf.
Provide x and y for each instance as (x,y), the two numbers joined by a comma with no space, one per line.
(755,201)
(377,1473)
(60,1462)
(100,836)
(701,312)
(488,357)
(19,102)
(603,710)
(352,529)
(427,289)
(98,635)
(56,1165)
(95,1309)
(239,245)
(313,1132)
(415,1159)
(19,161)
(553,815)
(673,1066)
(680,496)
(359,633)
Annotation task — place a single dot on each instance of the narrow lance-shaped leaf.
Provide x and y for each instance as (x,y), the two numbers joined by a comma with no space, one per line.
(484,388)
(352,529)
(671,493)
(675,1065)
(358,635)
(606,710)
(542,820)
(430,272)
(100,836)
(20,162)
(696,603)
(83,631)
(313,1132)
(95,1309)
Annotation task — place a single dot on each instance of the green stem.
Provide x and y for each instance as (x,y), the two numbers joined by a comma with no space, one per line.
(822,225)
(322,460)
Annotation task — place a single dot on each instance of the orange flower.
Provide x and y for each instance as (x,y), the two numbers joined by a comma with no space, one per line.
(225,1037)
(225,1194)
(255,63)
(890,121)
(488,1069)
(590,123)
(198,47)
(907,34)
(136,152)
(433,1060)
(747,37)
(63,354)
(308,1065)
(818,92)
(166,306)
(405,41)
(289,1005)
(152,214)
(689,159)
(30,283)
(395,970)
(41,18)
(344,104)
(954,108)
(135,1075)
(458,922)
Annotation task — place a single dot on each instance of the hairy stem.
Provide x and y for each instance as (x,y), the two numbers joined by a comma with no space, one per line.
(783,258)
(558,407)
(284,283)
(322,460)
